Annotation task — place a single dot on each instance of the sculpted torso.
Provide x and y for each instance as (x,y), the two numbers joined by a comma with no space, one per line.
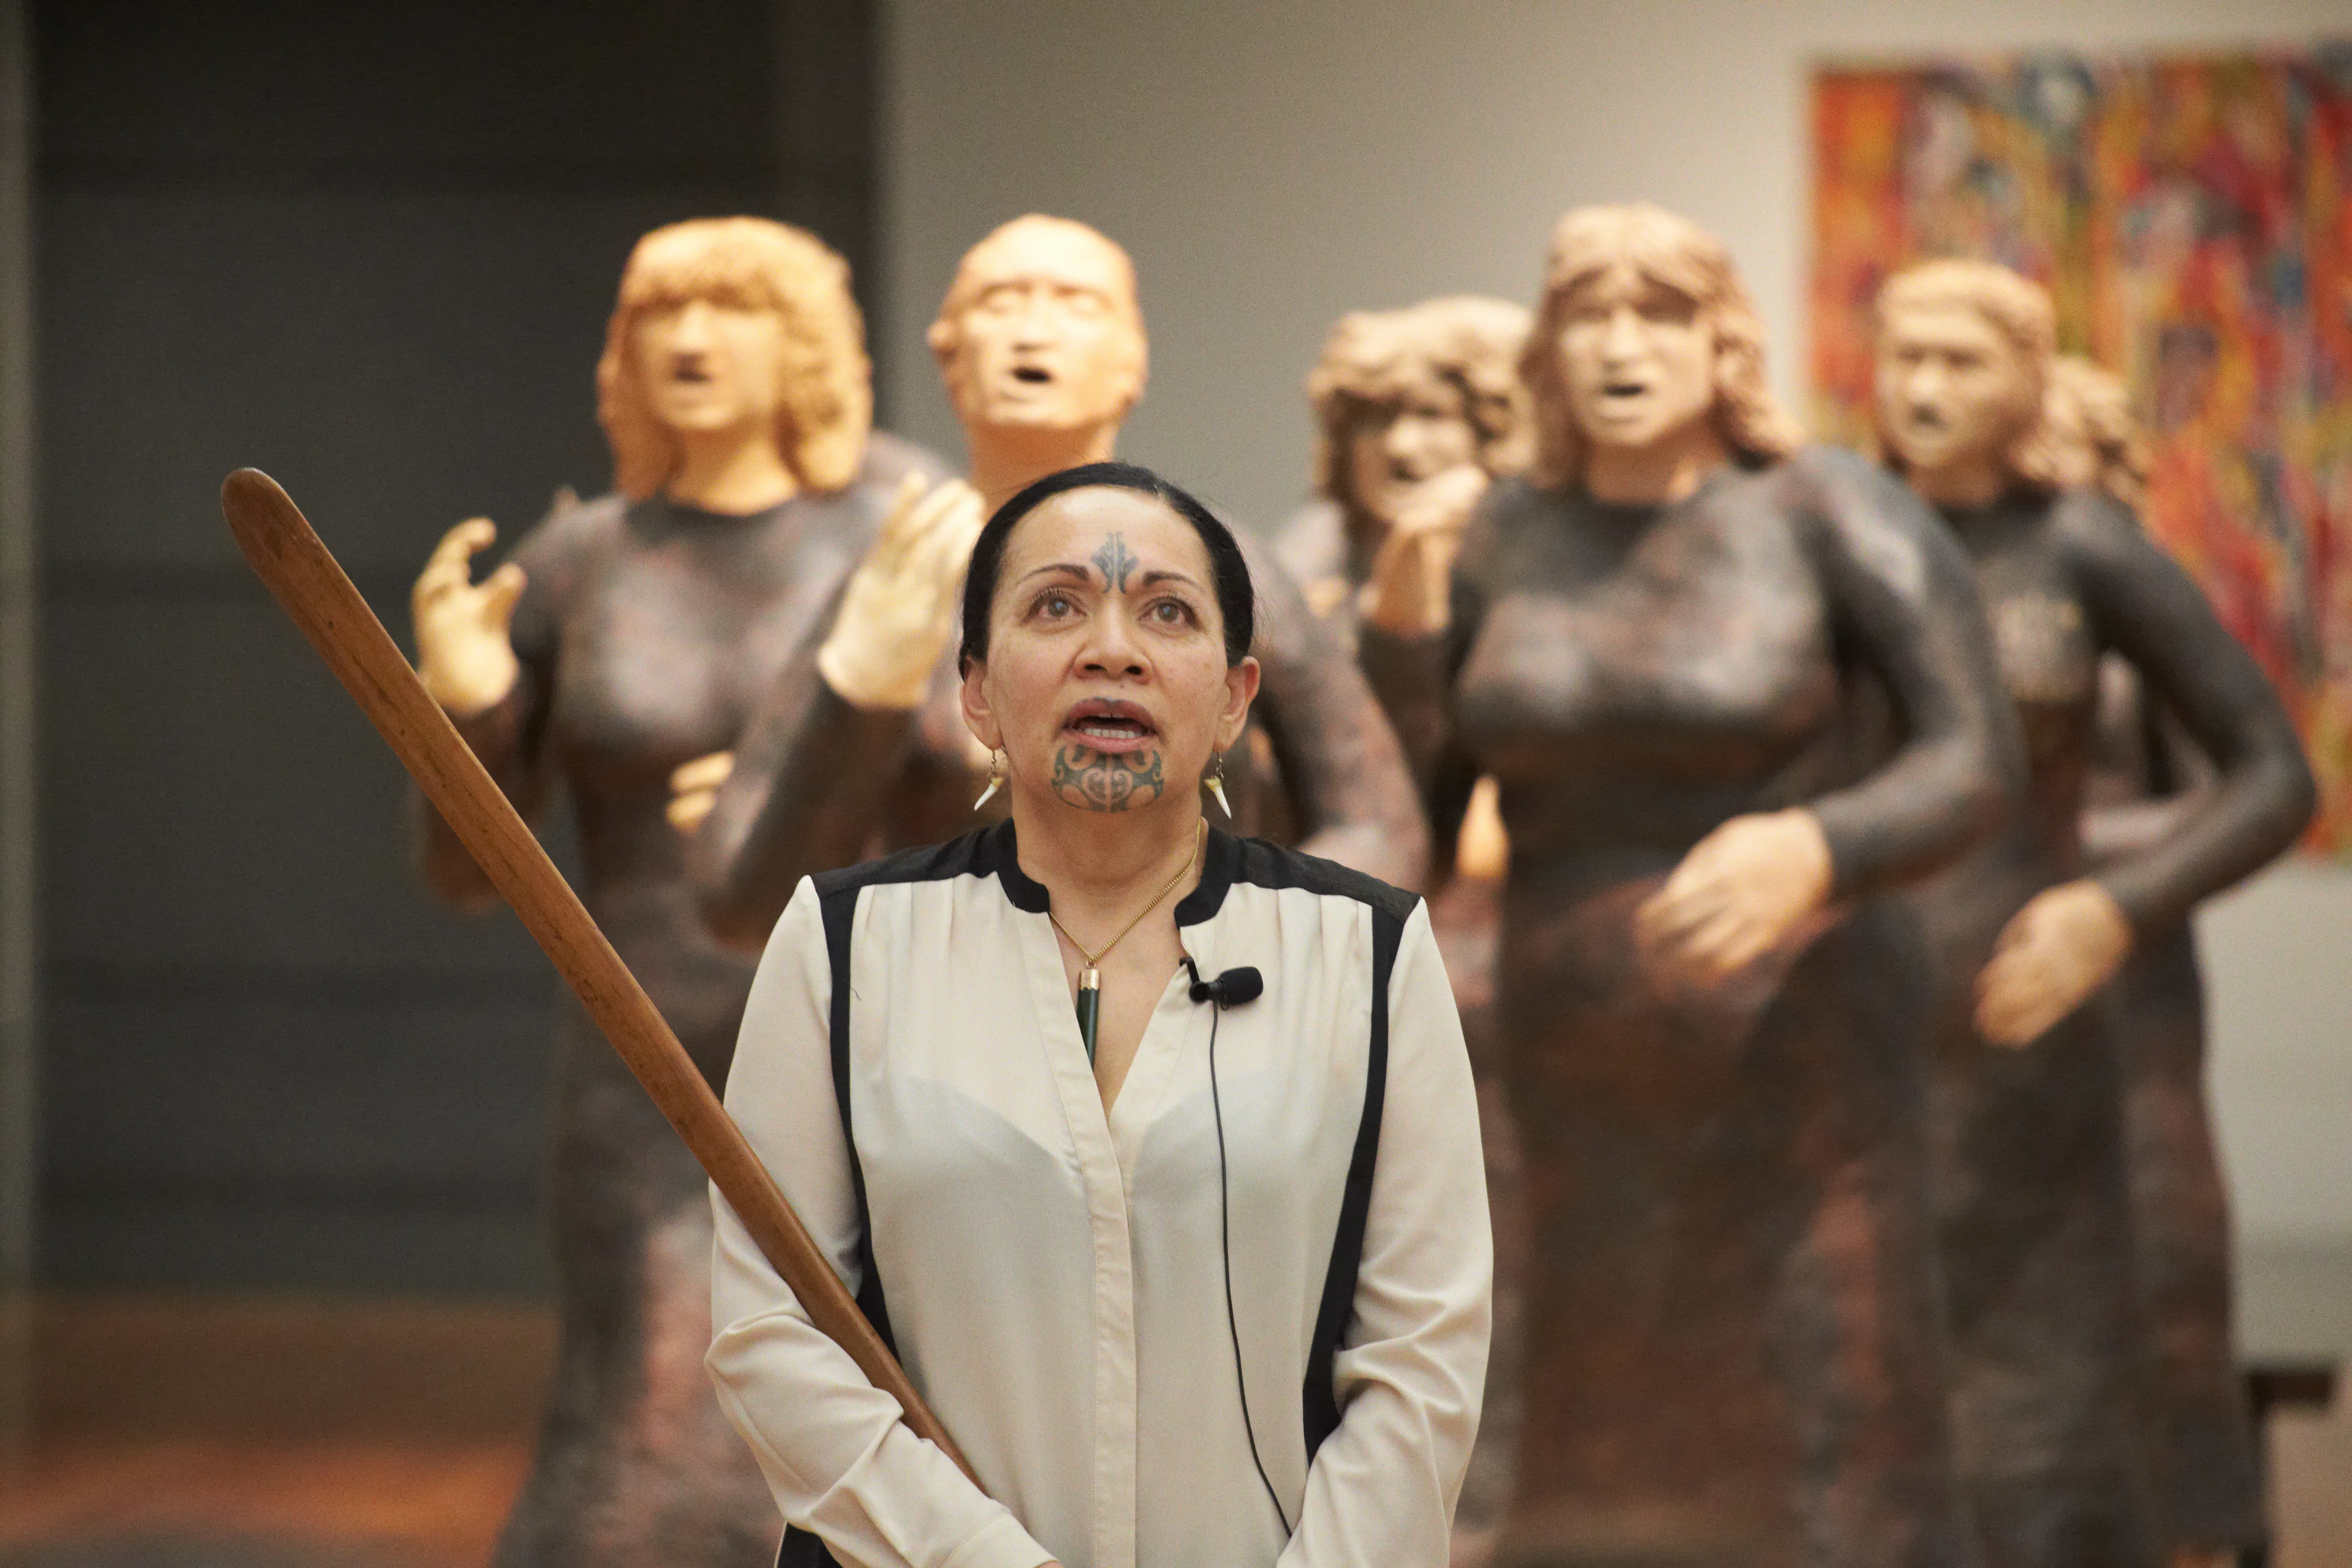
(1641,674)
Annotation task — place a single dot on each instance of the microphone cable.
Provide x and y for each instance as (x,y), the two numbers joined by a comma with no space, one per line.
(1225,1237)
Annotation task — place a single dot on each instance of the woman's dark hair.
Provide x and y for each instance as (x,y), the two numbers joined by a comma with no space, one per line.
(1235,601)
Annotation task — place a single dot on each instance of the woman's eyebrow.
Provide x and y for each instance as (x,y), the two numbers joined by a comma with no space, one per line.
(1071,568)
(1151,578)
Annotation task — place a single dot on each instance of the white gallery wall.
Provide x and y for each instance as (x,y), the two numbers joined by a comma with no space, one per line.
(1272,164)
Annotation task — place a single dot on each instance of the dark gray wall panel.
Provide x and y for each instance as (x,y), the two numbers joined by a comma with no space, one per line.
(370,247)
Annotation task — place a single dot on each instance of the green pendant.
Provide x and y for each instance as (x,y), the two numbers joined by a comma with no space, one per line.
(1089,1010)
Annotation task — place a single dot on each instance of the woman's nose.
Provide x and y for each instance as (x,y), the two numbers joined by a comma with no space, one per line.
(1114,649)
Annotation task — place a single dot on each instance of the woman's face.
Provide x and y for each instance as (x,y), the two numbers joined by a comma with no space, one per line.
(1395,448)
(710,368)
(1106,684)
(1637,358)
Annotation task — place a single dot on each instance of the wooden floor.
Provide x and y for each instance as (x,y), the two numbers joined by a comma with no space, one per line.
(200,1434)
(145,1433)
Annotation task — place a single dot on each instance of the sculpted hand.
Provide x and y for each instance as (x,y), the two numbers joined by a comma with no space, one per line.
(463,652)
(1739,893)
(694,789)
(1412,575)
(2067,942)
(900,606)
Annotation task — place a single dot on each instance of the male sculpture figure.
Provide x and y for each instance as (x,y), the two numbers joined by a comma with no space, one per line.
(1040,341)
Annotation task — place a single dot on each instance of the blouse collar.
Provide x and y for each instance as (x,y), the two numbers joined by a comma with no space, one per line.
(1220,856)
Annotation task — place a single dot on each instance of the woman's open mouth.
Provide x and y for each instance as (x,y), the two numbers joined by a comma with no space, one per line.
(1111,726)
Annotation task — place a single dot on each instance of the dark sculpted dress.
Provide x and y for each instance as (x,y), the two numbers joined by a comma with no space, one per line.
(819,783)
(646,631)
(2145,779)
(2046,1320)
(1731,1313)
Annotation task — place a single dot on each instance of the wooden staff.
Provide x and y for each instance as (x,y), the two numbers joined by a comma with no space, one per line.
(312,589)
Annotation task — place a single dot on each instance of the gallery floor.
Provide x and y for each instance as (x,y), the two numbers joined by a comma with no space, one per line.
(143,1433)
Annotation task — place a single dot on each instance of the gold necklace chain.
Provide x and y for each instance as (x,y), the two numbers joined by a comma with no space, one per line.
(1094,958)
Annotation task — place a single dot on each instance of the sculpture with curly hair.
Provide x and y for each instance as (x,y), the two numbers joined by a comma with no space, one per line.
(2050,1356)
(1676,256)
(825,393)
(1660,641)
(627,636)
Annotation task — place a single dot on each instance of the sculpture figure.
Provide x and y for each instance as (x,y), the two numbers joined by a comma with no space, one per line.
(1664,642)
(1416,411)
(862,746)
(625,636)
(2045,1311)
(2145,775)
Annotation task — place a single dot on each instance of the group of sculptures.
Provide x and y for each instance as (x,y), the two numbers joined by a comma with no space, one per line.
(1838,989)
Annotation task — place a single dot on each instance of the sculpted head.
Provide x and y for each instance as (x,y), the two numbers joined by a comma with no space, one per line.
(1040,330)
(1964,357)
(734,323)
(1108,619)
(1401,397)
(1644,330)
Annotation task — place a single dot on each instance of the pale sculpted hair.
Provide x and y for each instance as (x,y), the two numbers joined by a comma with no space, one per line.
(945,335)
(827,410)
(2097,441)
(1674,253)
(1463,346)
(2020,312)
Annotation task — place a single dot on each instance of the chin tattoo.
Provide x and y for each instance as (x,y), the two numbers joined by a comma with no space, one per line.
(1097,782)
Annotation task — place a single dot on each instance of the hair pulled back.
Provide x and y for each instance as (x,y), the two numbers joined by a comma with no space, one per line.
(1236,602)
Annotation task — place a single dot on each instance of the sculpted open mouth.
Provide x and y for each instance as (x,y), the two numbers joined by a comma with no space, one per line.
(1623,389)
(690,371)
(1033,374)
(1109,725)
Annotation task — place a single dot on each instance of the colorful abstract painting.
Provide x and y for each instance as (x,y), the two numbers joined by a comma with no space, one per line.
(2193,218)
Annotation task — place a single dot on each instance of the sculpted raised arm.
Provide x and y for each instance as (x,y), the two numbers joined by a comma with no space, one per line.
(468,656)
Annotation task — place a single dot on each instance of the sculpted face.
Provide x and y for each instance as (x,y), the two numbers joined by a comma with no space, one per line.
(1048,336)
(710,367)
(1396,449)
(1106,683)
(1637,358)
(1952,391)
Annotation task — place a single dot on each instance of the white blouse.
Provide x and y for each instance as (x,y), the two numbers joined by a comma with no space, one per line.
(1053,1276)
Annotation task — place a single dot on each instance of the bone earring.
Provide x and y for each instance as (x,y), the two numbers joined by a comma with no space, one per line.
(997,763)
(1215,781)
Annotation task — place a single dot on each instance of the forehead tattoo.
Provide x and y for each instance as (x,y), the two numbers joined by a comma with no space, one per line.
(1116,561)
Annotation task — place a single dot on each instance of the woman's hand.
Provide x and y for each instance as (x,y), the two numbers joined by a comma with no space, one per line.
(694,789)
(1409,591)
(2067,942)
(1741,892)
(900,606)
(463,653)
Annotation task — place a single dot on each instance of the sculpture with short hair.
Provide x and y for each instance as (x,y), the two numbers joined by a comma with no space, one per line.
(945,334)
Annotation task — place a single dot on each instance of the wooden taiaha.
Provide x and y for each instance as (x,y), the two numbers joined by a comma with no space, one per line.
(304,577)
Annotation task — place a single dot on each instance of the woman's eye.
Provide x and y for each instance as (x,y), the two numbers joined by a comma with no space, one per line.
(1055,605)
(1171,612)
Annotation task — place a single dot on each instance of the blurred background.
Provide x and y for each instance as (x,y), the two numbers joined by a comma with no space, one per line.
(271,1121)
